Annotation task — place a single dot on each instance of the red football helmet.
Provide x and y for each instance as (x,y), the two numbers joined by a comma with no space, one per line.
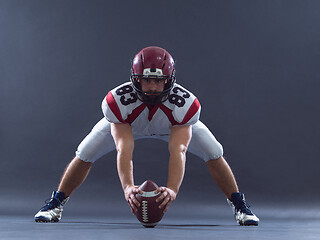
(153,62)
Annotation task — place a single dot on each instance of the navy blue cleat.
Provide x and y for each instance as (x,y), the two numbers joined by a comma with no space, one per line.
(52,211)
(241,210)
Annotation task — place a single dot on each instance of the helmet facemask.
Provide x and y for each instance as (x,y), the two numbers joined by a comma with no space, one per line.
(151,97)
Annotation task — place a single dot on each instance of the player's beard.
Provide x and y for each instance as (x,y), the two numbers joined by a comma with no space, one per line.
(152,97)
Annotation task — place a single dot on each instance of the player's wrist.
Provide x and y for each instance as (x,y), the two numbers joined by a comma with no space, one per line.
(125,187)
(174,189)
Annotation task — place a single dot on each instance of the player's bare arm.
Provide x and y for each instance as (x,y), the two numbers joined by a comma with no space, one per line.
(124,141)
(178,144)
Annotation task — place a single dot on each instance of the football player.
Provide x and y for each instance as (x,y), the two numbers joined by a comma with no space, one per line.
(151,105)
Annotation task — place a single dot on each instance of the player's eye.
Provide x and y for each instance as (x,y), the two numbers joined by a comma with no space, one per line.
(159,80)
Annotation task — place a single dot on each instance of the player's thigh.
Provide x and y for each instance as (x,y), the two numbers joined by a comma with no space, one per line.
(97,143)
(204,144)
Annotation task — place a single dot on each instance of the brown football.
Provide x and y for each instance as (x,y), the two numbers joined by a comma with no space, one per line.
(149,213)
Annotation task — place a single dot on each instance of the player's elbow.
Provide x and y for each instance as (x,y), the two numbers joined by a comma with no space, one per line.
(178,149)
(124,147)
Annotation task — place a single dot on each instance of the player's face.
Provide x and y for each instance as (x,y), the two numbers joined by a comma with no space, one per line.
(150,85)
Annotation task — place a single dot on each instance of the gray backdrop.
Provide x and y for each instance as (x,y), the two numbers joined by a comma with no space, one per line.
(254,66)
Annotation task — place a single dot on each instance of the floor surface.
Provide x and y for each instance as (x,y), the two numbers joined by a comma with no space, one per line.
(283,223)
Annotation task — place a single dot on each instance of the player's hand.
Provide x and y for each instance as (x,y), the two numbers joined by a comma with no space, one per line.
(167,196)
(130,195)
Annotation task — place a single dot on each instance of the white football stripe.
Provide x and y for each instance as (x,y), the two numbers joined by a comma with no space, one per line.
(149,194)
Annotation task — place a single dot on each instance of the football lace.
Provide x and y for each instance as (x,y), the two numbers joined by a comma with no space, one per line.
(145,211)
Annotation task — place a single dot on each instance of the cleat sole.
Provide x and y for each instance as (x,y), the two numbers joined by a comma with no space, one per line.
(249,223)
(44,220)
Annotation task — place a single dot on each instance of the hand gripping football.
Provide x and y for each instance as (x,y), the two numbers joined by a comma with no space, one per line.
(149,213)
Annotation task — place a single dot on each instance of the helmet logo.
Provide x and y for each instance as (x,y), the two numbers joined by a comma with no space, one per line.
(152,71)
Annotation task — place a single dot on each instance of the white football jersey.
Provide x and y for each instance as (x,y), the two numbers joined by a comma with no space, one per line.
(121,105)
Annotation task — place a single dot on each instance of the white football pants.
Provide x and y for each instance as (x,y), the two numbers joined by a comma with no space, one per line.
(100,142)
